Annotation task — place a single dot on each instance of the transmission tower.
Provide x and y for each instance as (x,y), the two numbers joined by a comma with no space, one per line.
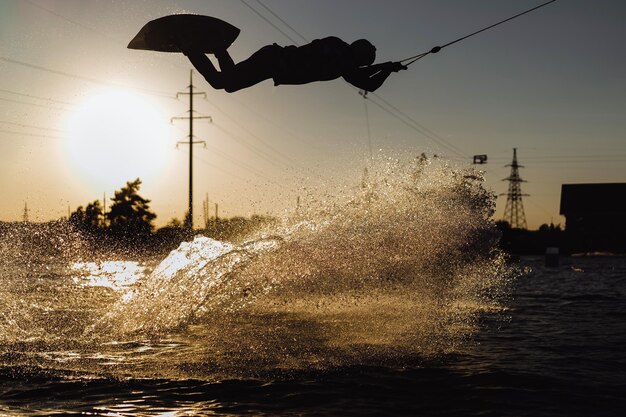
(514,210)
(190,142)
(25,214)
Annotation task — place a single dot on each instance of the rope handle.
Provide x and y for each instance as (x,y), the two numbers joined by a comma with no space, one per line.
(420,56)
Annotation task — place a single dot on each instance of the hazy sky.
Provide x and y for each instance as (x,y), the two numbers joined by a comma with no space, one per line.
(551,83)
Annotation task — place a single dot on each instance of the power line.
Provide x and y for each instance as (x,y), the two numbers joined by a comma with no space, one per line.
(286,160)
(88,28)
(418,127)
(114,41)
(541,208)
(252,148)
(37,97)
(282,21)
(424,130)
(241,165)
(577,159)
(37,135)
(270,22)
(234,161)
(410,124)
(228,173)
(53,71)
(290,162)
(30,126)
(8,100)
(82,78)
(581,156)
(247,144)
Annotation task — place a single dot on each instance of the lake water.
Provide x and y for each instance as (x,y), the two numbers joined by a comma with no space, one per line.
(392,301)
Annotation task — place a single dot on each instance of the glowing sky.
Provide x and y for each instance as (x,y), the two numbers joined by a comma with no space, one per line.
(551,83)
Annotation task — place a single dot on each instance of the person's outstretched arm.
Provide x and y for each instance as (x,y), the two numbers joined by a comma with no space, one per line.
(205,67)
(372,77)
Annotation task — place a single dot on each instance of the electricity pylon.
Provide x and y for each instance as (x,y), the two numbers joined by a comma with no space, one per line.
(514,209)
(191,142)
(25,214)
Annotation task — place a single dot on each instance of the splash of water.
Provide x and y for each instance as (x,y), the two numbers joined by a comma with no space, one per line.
(181,284)
(398,267)
(405,262)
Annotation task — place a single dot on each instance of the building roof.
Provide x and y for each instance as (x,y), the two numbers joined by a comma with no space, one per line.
(603,198)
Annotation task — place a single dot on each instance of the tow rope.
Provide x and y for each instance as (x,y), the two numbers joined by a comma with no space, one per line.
(436,49)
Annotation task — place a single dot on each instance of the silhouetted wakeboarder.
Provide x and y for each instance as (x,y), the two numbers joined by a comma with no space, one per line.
(321,60)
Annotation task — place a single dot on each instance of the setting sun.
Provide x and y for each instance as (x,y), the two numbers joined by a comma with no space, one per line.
(116,136)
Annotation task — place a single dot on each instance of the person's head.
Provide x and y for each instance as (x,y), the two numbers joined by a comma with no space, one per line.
(364,52)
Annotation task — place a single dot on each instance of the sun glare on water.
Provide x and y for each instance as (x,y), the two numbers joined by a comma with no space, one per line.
(117,136)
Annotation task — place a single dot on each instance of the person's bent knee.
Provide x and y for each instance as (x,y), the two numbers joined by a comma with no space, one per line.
(215,82)
(223,82)
(231,89)
(230,83)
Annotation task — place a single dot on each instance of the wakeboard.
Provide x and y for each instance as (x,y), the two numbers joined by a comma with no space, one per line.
(206,33)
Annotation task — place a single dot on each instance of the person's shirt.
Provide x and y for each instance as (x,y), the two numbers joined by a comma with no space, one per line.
(321,60)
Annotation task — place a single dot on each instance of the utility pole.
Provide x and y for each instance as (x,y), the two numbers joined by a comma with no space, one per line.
(104,209)
(514,210)
(25,215)
(191,142)
(205,211)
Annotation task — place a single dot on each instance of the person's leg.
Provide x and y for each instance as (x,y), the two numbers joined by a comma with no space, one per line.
(233,77)
(259,67)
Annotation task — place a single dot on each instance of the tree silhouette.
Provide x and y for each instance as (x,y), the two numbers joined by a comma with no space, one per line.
(77,218)
(93,214)
(88,219)
(130,215)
